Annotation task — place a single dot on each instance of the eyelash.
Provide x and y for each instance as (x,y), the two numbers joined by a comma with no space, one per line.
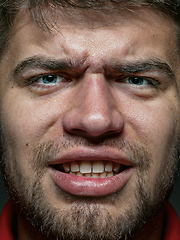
(149,81)
(62,80)
(35,79)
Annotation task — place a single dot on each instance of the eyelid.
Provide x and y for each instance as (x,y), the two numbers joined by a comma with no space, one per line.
(152,81)
(31,80)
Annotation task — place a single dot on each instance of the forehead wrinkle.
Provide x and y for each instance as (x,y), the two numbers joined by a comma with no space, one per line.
(70,52)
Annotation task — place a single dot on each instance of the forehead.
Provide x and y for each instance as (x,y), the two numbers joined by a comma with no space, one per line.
(141,33)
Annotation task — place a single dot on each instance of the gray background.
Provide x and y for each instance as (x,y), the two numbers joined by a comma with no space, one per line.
(175,196)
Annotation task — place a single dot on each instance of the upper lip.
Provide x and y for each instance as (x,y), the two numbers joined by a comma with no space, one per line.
(92,154)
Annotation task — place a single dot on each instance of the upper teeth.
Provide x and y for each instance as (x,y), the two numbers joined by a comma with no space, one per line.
(92,169)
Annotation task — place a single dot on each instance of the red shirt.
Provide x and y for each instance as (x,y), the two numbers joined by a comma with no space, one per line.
(8,223)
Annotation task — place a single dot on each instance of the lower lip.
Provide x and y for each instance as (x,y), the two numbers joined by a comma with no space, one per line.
(83,186)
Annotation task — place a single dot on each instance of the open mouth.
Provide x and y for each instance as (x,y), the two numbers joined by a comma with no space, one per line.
(78,175)
(91,169)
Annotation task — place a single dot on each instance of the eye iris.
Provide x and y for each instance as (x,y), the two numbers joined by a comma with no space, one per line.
(49,79)
(136,80)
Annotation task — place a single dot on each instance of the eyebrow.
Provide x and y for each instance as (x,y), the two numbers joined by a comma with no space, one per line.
(38,62)
(123,67)
(142,66)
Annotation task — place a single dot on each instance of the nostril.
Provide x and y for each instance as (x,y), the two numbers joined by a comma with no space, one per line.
(92,126)
(94,120)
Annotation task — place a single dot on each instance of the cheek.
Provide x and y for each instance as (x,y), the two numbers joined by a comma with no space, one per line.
(156,125)
(29,121)
(154,122)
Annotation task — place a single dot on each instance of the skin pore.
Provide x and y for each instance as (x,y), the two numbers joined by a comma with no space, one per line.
(83,92)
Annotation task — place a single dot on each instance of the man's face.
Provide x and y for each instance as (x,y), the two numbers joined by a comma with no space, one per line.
(90,122)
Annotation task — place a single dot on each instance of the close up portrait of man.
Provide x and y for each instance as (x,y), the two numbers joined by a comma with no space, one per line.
(90,118)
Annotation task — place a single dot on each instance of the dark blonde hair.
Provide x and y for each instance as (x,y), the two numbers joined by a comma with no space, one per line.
(10,8)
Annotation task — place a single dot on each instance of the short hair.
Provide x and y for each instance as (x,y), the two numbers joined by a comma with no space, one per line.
(10,8)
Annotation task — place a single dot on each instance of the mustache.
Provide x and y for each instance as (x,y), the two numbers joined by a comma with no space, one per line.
(47,150)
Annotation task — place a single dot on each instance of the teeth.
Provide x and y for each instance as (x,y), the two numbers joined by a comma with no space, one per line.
(110,174)
(116,167)
(85,167)
(102,175)
(74,167)
(79,174)
(108,167)
(87,175)
(95,175)
(66,167)
(98,167)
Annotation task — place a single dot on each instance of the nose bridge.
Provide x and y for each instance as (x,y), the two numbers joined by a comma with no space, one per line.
(96,97)
(93,110)
(96,110)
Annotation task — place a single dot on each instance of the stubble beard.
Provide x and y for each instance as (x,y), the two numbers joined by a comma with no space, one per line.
(87,219)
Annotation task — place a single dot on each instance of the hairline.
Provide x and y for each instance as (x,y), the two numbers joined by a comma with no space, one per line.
(41,21)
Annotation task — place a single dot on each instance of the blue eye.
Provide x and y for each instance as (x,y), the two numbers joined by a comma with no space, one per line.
(48,79)
(139,81)
(136,80)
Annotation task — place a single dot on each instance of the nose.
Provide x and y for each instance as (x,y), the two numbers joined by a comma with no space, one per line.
(94,112)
